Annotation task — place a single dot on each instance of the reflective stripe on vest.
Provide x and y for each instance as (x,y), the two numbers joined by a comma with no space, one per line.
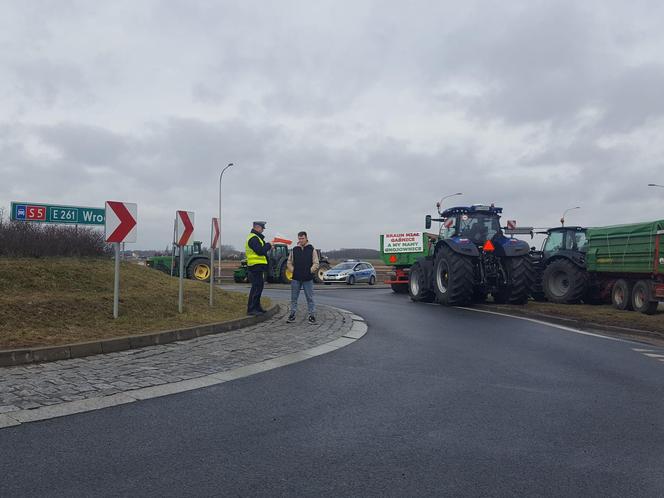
(252,257)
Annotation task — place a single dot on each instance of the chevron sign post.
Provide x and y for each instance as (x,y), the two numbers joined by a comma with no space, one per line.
(120,227)
(184,229)
(214,241)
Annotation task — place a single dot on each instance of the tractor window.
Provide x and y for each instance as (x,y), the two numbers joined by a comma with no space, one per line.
(580,239)
(479,227)
(448,228)
(554,242)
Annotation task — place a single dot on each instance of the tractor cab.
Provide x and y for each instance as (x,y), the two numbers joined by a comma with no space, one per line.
(278,251)
(477,223)
(193,250)
(564,239)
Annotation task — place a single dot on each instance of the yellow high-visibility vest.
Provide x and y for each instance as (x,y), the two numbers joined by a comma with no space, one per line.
(252,257)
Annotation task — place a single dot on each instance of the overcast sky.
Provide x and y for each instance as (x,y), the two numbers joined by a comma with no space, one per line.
(344,118)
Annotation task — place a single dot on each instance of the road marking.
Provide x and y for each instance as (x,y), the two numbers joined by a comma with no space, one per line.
(554,325)
(644,350)
(653,355)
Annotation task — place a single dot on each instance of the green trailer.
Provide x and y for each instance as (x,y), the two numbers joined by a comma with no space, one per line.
(401,250)
(627,263)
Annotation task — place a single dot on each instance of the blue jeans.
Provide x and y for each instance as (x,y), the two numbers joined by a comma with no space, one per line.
(308,286)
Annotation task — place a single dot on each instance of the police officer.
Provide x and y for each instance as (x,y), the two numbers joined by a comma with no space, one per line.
(256,249)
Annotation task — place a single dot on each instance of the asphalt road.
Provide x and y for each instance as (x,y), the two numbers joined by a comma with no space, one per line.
(432,401)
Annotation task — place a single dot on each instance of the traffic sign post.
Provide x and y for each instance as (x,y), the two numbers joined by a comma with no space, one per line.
(184,229)
(120,227)
(35,212)
(214,240)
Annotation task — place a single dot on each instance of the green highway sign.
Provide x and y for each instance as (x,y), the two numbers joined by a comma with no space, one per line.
(49,213)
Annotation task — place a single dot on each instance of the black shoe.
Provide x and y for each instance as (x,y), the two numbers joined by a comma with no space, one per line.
(312,319)
(256,313)
(262,310)
(291,318)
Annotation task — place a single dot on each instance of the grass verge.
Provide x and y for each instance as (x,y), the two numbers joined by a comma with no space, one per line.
(55,301)
(604,314)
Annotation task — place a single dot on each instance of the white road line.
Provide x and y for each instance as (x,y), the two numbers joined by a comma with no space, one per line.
(644,350)
(554,325)
(653,355)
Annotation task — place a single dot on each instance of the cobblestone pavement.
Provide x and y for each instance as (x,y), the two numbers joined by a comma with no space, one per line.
(38,385)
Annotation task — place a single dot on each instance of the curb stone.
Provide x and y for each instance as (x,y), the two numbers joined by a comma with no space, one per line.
(11,419)
(14,357)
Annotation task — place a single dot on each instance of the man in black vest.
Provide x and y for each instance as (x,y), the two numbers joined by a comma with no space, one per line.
(303,262)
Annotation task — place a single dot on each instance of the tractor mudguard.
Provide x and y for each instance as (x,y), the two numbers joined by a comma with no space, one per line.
(460,245)
(573,257)
(511,248)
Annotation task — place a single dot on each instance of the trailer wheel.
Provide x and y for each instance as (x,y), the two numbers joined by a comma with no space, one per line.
(642,298)
(417,288)
(452,278)
(399,288)
(564,282)
(621,295)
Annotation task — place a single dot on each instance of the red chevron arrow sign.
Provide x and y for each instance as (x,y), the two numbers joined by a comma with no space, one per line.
(184,227)
(120,221)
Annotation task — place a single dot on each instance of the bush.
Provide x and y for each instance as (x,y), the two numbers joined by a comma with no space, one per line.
(19,239)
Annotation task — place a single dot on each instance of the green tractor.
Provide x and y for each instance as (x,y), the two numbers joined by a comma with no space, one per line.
(277,272)
(196,263)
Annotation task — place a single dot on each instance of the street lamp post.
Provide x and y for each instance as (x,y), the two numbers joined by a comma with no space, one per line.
(440,202)
(562,218)
(220,177)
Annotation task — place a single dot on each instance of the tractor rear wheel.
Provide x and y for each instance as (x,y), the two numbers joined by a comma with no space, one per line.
(452,278)
(199,269)
(417,285)
(564,282)
(522,274)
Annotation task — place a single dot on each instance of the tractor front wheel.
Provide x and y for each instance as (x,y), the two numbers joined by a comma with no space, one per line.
(318,276)
(285,274)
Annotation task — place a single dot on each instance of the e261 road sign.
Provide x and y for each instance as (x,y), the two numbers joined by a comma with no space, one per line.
(50,213)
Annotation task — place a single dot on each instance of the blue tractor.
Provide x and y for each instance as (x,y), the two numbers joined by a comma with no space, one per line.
(473,258)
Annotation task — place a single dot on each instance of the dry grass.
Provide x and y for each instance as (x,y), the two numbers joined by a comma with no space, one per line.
(55,301)
(601,314)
